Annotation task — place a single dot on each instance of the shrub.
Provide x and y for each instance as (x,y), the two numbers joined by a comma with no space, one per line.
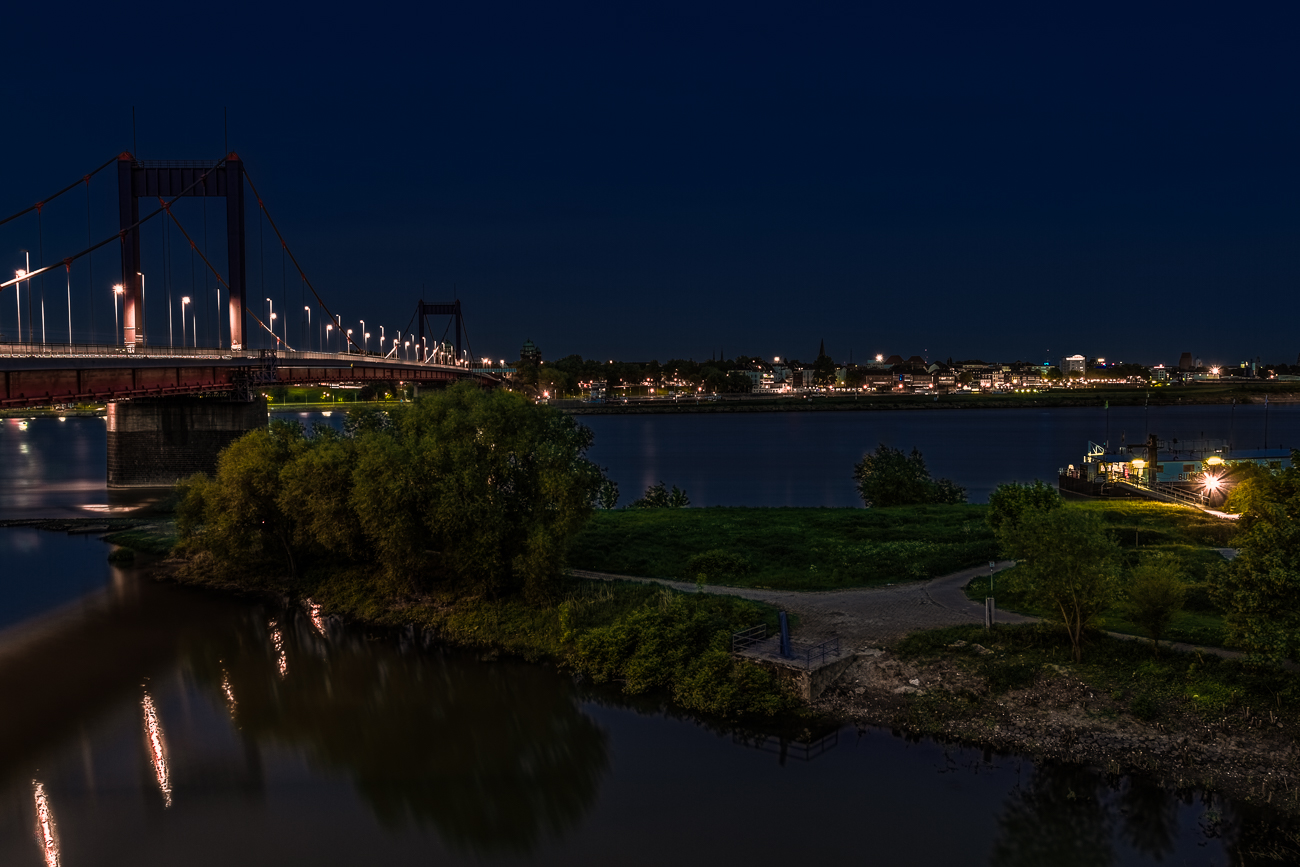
(681,645)
(887,477)
(717,565)
(1155,594)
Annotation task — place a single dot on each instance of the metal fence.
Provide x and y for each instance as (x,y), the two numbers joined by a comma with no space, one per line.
(747,638)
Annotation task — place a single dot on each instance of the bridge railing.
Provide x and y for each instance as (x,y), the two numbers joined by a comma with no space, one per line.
(103,350)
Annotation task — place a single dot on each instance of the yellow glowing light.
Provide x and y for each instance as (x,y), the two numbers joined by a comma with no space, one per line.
(1214,460)
(47,836)
(1139,464)
(153,735)
(313,611)
(277,639)
(229,691)
(1212,483)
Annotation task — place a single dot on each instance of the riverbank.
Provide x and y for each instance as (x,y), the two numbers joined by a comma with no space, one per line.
(1196,394)
(1186,720)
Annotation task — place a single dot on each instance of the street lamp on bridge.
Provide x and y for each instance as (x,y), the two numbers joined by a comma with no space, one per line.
(118,289)
(348,346)
(363,336)
(328,329)
(308,309)
(185,301)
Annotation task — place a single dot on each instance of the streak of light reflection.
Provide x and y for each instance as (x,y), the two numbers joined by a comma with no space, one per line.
(153,735)
(47,835)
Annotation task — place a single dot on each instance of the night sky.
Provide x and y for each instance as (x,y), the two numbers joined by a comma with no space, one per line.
(680,180)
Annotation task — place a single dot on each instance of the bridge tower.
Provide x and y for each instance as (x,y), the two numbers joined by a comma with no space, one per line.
(166,179)
(429,308)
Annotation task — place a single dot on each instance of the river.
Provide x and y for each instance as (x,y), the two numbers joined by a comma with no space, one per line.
(156,724)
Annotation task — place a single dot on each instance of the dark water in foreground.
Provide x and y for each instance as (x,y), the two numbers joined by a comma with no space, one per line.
(156,724)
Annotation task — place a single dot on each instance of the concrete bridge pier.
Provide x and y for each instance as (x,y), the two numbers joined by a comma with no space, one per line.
(158,441)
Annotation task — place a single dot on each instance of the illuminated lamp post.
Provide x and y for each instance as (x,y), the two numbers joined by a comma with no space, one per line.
(118,289)
(185,300)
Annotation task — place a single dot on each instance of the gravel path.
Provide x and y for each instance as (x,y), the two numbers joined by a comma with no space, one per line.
(861,617)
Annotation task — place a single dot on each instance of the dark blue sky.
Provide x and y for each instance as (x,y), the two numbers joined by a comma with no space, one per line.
(677,180)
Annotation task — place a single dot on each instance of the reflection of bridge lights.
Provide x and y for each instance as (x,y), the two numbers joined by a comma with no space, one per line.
(229,690)
(153,735)
(47,836)
(313,611)
(277,641)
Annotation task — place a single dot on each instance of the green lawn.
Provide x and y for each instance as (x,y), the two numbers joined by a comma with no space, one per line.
(788,548)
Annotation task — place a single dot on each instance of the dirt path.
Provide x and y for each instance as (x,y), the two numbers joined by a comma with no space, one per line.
(861,617)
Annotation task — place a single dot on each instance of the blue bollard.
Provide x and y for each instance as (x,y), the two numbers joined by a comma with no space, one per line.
(785,636)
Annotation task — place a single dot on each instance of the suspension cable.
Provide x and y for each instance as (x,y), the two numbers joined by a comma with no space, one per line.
(49,199)
(294,259)
(166,206)
(119,235)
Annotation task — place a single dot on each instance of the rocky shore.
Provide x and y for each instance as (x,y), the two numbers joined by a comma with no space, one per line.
(1250,753)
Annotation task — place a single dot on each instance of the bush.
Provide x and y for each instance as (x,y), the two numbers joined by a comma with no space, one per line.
(681,645)
(658,497)
(1009,503)
(1155,594)
(1004,675)
(717,565)
(887,477)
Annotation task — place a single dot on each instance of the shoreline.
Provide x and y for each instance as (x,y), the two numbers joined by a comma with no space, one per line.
(1249,754)
(880,403)
(1254,757)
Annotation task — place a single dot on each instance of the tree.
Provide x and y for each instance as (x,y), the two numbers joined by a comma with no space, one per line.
(1068,566)
(1260,588)
(658,497)
(1155,594)
(608,496)
(887,477)
(468,489)
(1011,501)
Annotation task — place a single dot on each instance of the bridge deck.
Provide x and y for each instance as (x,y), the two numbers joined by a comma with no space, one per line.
(39,375)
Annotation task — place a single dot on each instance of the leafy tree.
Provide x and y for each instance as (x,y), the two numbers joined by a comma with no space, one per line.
(659,497)
(824,370)
(1259,589)
(887,477)
(1069,567)
(1155,594)
(1011,501)
(239,510)
(608,496)
(467,488)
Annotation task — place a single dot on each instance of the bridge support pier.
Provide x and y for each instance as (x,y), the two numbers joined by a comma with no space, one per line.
(158,441)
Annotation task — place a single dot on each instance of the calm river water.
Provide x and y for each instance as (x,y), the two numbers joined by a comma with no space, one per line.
(153,724)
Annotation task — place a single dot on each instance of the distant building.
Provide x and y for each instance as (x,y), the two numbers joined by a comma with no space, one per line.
(598,388)
(1074,364)
(1185,361)
(530,354)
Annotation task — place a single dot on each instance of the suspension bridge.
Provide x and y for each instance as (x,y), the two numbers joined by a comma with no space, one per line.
(220,355)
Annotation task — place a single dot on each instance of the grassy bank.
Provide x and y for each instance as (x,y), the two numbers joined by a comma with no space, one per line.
(645,639)
(1126,678)
(786,548)
(1141,527)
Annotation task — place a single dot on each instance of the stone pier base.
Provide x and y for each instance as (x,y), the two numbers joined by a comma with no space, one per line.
(158,441)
